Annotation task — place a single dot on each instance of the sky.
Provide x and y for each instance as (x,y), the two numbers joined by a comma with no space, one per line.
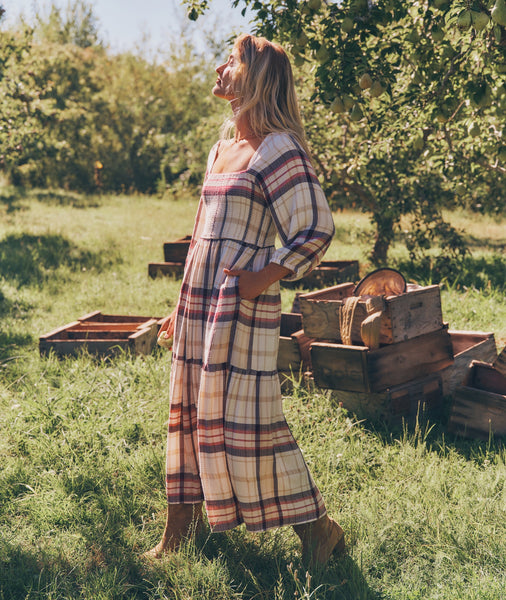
(124,24)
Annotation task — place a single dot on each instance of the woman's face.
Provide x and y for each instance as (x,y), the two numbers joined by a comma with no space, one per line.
(225,86)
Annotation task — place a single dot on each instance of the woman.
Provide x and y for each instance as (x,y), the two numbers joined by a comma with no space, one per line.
(228,442)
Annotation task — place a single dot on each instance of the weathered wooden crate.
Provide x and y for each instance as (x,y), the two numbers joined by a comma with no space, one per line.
(289,358)
(293,354)
(103,335)
(159,269)
(416,399)
(360,369)
(467,346)
(405,316)
(176,251)
(328,272)
(479,406)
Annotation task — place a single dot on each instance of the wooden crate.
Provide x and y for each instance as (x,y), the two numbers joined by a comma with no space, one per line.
(294,345)
(467,346)
(479,406)
(405,316)
(399,404)
(359,369)
(293,353)
(289,358)
(172,269)
(103,335)
(328,272)
(176,251)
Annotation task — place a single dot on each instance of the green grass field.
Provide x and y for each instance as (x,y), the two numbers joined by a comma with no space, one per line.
(82,440)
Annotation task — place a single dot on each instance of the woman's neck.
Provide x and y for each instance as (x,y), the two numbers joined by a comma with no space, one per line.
(243,131)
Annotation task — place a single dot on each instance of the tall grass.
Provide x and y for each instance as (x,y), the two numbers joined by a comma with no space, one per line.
(82,440)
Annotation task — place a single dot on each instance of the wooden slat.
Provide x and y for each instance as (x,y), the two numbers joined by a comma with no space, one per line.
(290,323)
(320,311)
(477,414)
(57,331)
(398,404)
(288,355)
(467,346)
(172,269)
(415,313)
(340,367)
(356,368)
(176,251)
(403,361)
(484,376)
(500,362)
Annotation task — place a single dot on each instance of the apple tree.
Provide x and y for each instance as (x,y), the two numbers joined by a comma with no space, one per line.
(404,105)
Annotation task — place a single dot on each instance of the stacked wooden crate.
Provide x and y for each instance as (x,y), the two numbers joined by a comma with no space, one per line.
(174,254)
(416,362)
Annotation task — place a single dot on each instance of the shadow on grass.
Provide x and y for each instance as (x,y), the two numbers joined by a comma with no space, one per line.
(432,429)
(10,344)
(12,197)
(264,569)
(26,574)
(65,198)
(30,259)
(482,273)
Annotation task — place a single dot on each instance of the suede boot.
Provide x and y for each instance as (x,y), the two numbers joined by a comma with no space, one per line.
(320,539)
(182,520)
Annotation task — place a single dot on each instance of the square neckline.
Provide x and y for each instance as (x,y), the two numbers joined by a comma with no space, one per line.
(253,156)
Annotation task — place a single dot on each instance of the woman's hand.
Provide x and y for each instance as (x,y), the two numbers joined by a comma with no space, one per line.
(166,331)
(168,324)
(253,283)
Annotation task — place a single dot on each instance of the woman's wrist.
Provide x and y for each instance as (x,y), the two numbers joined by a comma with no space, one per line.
(274,272)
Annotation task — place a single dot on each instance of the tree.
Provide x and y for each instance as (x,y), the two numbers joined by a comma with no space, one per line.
(68,104)
(406,107)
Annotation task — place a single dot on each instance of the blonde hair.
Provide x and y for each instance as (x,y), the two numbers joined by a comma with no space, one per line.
(266,90)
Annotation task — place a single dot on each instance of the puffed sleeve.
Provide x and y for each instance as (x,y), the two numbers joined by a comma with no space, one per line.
(298,207)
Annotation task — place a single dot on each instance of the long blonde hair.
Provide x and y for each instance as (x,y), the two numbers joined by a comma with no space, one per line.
(267,98)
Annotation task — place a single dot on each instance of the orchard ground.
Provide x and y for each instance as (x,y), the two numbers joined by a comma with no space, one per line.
(81,483)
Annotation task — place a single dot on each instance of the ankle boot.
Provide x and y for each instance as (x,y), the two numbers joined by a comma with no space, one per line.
(182,520)
(320,539)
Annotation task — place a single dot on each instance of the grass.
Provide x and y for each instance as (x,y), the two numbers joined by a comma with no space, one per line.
(82,439)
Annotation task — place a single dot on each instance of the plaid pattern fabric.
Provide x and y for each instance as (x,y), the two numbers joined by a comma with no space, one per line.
(228,440)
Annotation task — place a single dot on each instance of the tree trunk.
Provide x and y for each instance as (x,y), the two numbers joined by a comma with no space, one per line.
(383,239)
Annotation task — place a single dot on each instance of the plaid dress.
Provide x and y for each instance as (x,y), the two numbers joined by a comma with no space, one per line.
(228,440)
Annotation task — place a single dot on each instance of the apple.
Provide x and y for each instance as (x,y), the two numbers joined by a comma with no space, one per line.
(474,129)
(464,19)
(347,24)
(314,4)
(480,20)
(299,60)
(498,13)
(337,105)
(418,142)
(356,113)
(376,89)
(437,34)
(365,81)
(348,102)
(302,40)
(322,54)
